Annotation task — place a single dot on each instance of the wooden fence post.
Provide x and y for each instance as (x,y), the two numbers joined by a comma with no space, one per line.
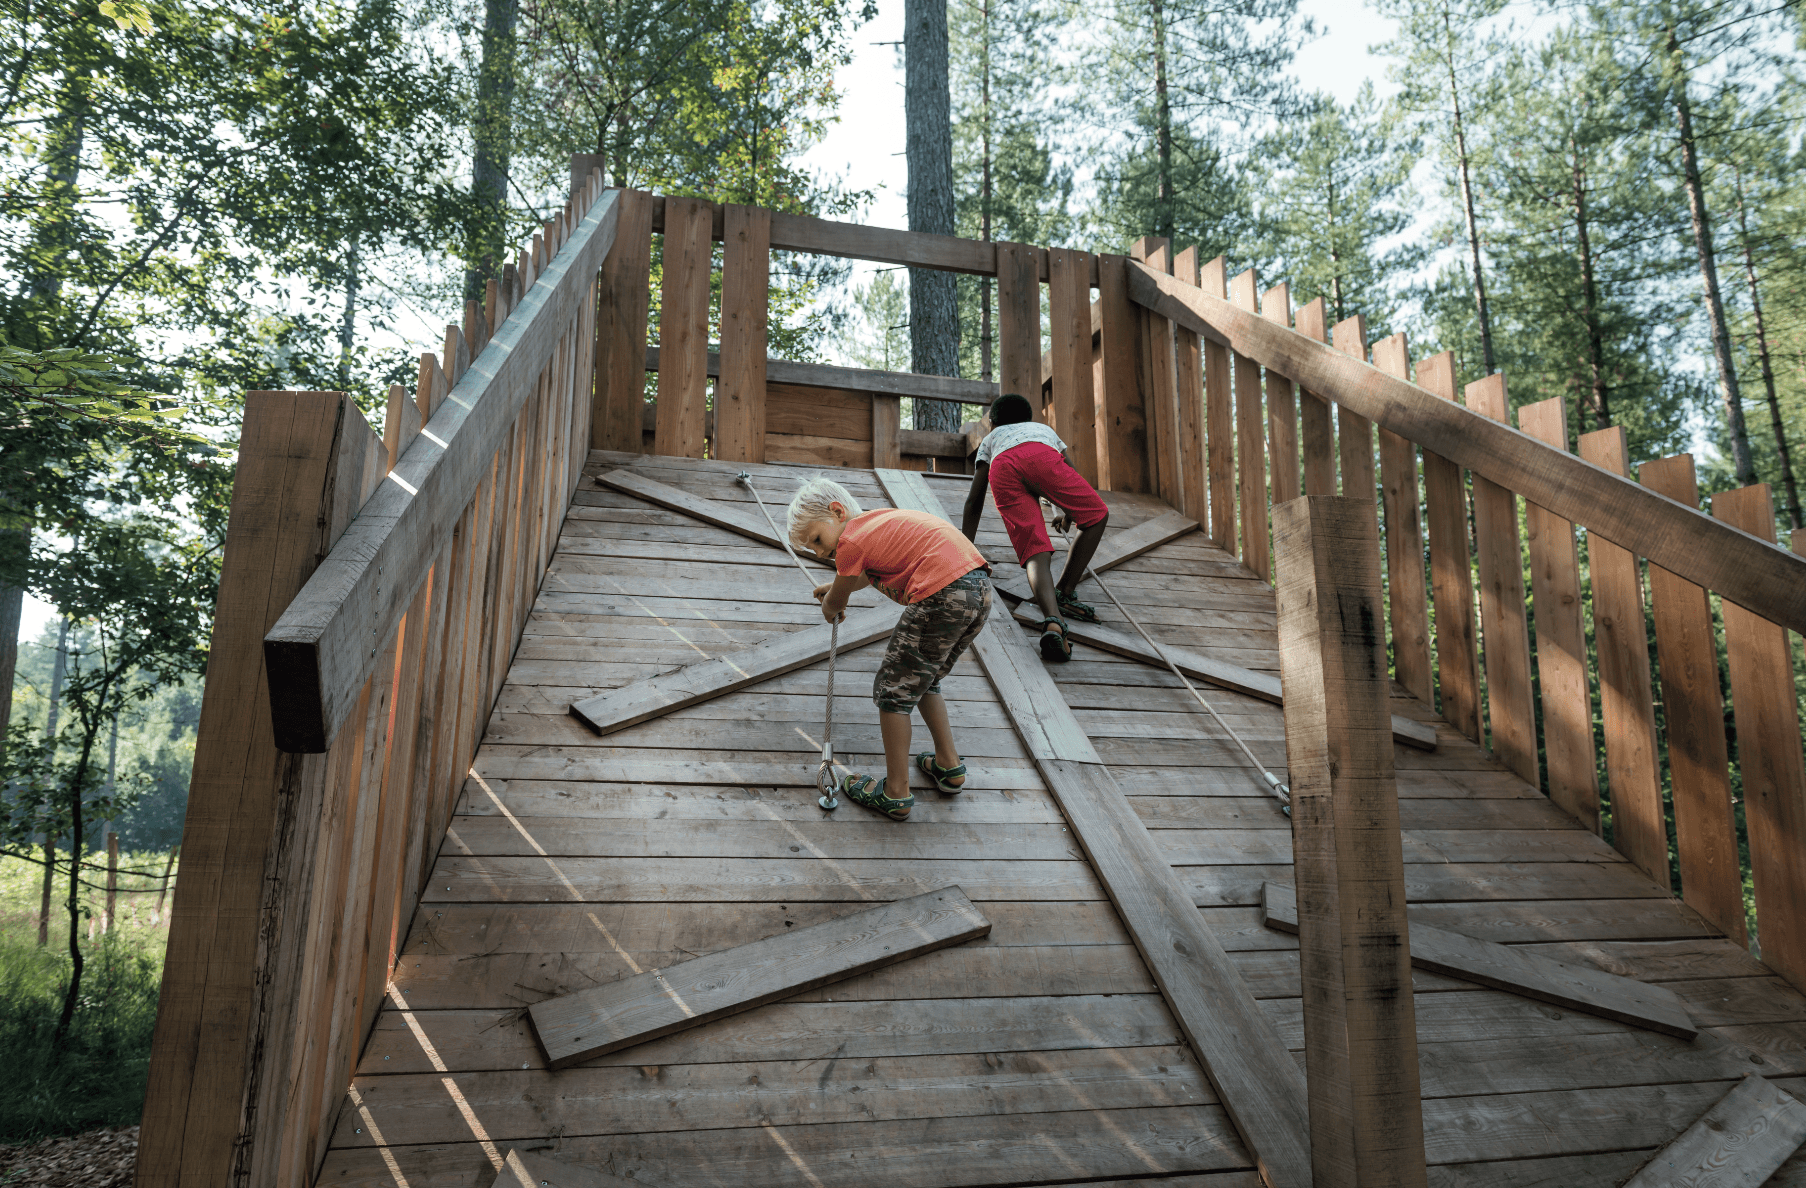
(1019,322)
(1122,432)
(1189,361)
(1251,446)
(1451,581)
(1219,419)
(1316,433)
(1282,406)
(1354,432)
(1511,703)
(683,328)
(1159,383)
(1408,597)
(745,293)
(1360,1029)
(621,312)
(1074,403)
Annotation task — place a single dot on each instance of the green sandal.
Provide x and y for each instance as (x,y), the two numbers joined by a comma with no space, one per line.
(1084,612)
(940,775)
(863,792)
(1055,647)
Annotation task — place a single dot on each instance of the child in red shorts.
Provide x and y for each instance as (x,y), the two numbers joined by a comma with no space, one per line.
(1024,462)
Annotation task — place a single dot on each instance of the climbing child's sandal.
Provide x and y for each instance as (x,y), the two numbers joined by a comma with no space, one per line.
(1084,612)
(862,791)
(1054,644)
(940,775)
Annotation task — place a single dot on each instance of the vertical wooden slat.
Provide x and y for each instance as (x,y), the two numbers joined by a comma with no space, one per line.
(1360,1030)
(623,304)
(1251,446)
(1019,322)
(1122,440)
(1219,419)
(1511,704)
(1451,578)
(1074,413)
(1626,700)
(1189,369)
(1407,594)
(1705,827)
(1282,407)
(683,328)
(1316,433)
(1766,711)
(401,423)
(1561,644)
(1354,433)
(745,291)
(1159,383)
(887,425)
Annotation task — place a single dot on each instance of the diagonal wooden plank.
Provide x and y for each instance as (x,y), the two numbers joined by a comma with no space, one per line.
(534,1169)
(1260,1085)
(1739,1143)
(708,679)
(1228,676)
(1124,546)
(1503,967)
(747,522)
(576,1027)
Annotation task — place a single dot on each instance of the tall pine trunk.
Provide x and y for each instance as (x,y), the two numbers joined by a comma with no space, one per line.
(57,672)
(1163,128)
(348,321)
(490,132)
(933,311)
(1790,490)
(1589,296)
(1467,199)
(984,193)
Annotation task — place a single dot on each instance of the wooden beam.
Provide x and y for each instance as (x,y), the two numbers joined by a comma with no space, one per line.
(1018,323)
(1189,365)
(887,429)
(1282,407)
(536,1169)
(745,291)
(1126,545)
(1251,447)
(859,379)
(1354,432)
(1451,572)
(1122,452)
(1316,433)
(1072,403)
(1743,1140)
(854,241)
(1219,420)
(1510,968)
(576,1027)
(1510,699)
(683,328)
(622,309)
(732,516)
(318,653)
(1408,598)
(1157,380)
(1354,945)
(1738,565)
(1256,1079)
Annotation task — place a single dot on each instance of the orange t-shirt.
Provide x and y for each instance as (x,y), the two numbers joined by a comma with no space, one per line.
(907,555)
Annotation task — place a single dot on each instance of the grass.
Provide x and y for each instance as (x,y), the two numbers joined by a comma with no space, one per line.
(97,1077)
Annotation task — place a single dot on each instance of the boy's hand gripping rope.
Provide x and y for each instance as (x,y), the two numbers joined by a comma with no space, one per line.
(824,775)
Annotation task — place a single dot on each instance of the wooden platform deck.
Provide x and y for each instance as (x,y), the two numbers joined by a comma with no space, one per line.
(1042,1054)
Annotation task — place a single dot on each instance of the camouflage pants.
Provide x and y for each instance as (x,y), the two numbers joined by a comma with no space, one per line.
(930,636)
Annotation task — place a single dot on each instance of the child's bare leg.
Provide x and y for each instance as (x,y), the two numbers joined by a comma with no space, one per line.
(1040,580)
(934,713)
(1083,549)
(895,730)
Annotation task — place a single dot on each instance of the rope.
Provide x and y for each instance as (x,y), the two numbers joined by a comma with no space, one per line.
(824,775)
(1273,782)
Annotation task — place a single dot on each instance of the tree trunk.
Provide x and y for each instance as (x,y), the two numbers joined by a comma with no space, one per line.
(348,322)
(12,606)
(933,312)
(984,201)
(1163,129)
(1467,202)
(1589,295)
(63,161)
(490,132)
(57,671)
(72,994)
(1789,488)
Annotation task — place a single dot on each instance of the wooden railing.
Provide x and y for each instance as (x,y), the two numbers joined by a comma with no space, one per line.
(372,594)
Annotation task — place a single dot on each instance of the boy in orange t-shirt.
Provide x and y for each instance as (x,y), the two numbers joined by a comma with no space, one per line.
(943,582)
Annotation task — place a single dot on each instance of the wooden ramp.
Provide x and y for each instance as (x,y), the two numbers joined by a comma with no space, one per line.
(1041,1054)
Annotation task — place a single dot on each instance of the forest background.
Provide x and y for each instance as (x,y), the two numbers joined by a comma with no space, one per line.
(201,199)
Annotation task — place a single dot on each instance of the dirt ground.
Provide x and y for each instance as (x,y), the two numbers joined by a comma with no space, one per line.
(98,1159)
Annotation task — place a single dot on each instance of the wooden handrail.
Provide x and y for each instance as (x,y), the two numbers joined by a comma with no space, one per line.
(325,645)
(1754,574)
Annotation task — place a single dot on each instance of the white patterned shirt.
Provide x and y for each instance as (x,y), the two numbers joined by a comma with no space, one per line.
(1008,437)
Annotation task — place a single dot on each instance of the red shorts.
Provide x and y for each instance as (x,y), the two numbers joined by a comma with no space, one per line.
(1024,475)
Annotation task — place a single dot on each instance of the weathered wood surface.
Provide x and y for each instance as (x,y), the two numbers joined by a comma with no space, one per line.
(747,521)
(1451,573)
(1739,1143)
(576,1027)
(1504,967)
(1735,564)
(739,434)
(860,379)
(1123,546)
(535,1169)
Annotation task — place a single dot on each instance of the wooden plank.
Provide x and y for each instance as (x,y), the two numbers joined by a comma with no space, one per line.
(1159,382)
(1354,432)
(622,309)
(683,328)
(1360,1029)
(576,1027)
(1742,1140)
(1074,403)
(1705,823)
(1510,699)
(1219,420)
(1124,545)
(401,424)
(1018,323)
(1250,447)
(1626,700)
(1407,595)
(535,1169)
(745,289)
(918,249)
(1561,644)
(1122,431)
(1451,577)
(1511,968)
(734,517)
(887,430)
(1248,1065)
(1282,407)
(706,679)
(1189,365)
(1316,433)
(318,653)
(859,379)
(1768,754)
(1735,564)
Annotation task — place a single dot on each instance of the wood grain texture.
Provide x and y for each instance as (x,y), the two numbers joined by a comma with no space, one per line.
(1768,754)
(1074,404)
(1124,545)
(1189,369)
(745,288)
(535,1169)
(1626,697)
(1316,431)
(1561,642)
(824,237)
(623,306)
(318,652)
(576,1027)
(1511,968)
(944,389)
(1739,1143)
(683,328)
(1282,407)
(1360,1030)
(1406,591)
(1510,699)
(1219,420)
(1122,431)
(1741,567)
(1160,382)
(1018,323)
(1705,824)
(735,517)
(1354,432)
(1451,575)
(1251,447)
(887,430)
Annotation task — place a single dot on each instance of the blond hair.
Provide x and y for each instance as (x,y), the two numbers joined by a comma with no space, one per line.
(812,504)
